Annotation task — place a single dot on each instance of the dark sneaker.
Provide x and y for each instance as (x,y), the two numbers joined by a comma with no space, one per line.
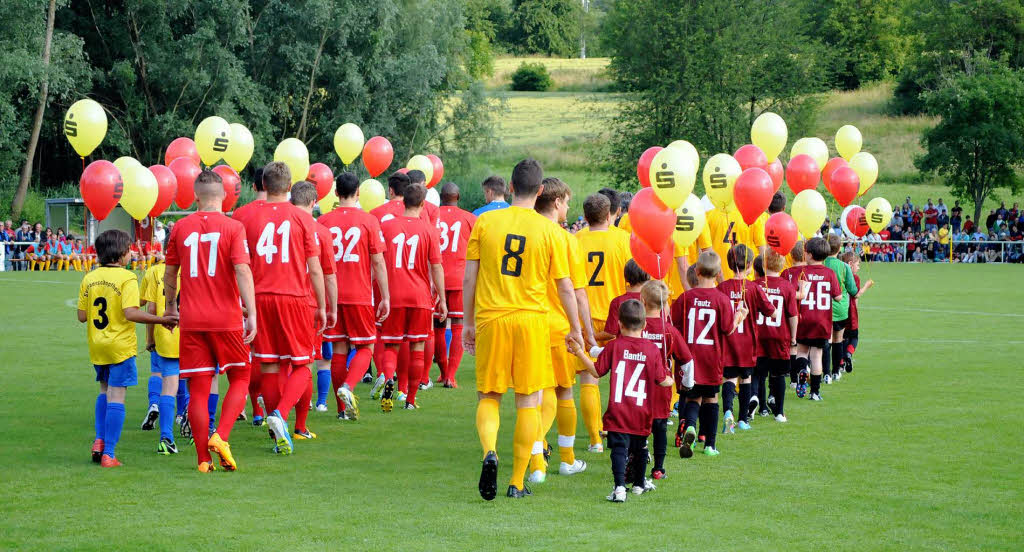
(489,476)
(513,492)
(166,447)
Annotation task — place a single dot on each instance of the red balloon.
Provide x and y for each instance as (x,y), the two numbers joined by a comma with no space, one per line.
(377,155)
(751,156)
(802,173)
(652,221)
(781,233)
(185,172)
(101,188)
(232,186)
(643,167)
(857,221)
(752,194)
(830,167)
(438,170)
(845,185)
(403,170)
(323,177)
(775,170)
(181,147)
(167,187)
(655,264)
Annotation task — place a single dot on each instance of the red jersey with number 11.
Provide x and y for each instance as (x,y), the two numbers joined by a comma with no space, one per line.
(704,316)
(281,237)
(412,246)
(455,226)
(355,235)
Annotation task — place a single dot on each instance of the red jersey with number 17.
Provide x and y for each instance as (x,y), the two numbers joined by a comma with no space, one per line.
(281,237)
(412,246)
(454,226)
(739,347)
(355,235)
(704,316)
(636,367)
(207,246)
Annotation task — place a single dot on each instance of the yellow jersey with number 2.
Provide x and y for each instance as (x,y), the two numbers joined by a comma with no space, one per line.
(103,295)
(605,254)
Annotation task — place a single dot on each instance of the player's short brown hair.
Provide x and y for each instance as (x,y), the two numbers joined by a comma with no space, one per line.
(111,246)
(208,185)
(632,315)
(739,257)
(834,244)
(414,195)
(554,189)
(596,209)
(778,203)
(277,178)
(759,266)
(797,253)
(397,183)
(526,178)
(417,176)
(850,257)
(691,276)
(773,262)
(817,248)
(634,274)
(495,184)
(655,294)
(303,193)
(709,264)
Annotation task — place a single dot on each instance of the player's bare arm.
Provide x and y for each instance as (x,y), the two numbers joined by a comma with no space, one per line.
(682,264)
(583,306)
(380,275)
(316,279)
(171,290)
(331,290)
(567,296)
(247,291)
(150,340)
(740,316)
(437,275)
(83,316)
(135,314)
(469,306)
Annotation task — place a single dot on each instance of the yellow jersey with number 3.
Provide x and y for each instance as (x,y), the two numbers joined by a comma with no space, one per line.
(729,227)
(518,251)
(152,290)
(558,321)
(605,254)
(103,295)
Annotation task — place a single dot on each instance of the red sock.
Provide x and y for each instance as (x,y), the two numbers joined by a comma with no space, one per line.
(378,355)
(234,401)
(390,363)
(440,353)
(296,385)
(254,388)
(428,359)
(850,348)
(403,367)
(358,367)
(416,364)
(338,375)
(199,413)
(455,351)
(270,389)
(302,407)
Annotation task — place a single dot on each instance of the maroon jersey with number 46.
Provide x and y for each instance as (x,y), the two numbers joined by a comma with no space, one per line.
(816,307)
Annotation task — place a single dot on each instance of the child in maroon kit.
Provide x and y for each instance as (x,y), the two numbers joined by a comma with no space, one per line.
(635,279)
(815,327)
(636,366)
(776,334)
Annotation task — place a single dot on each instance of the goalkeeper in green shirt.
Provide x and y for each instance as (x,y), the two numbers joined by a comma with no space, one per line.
(840,307)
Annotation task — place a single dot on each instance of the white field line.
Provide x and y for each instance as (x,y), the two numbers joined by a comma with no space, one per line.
(942,311)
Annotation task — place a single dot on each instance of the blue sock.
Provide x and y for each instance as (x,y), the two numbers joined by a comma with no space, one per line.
(351,354)
(323,385)
(155,384)
(212,405)
(182,397)
(101,414)
(447,341)
(167,417)
(112,426)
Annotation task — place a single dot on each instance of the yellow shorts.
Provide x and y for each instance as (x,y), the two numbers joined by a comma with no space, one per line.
(565,365)
(514,352)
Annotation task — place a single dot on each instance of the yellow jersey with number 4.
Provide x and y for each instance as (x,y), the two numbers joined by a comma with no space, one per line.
(152,291)
(519,253)
(605,254)
(103,295)
(728,228)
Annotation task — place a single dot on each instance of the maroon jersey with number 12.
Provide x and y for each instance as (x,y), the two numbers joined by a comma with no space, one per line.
(704,316)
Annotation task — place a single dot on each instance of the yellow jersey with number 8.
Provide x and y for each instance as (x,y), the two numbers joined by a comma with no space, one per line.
(152,290)
(103,295)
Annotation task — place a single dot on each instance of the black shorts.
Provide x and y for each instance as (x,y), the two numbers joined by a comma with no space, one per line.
(839,325)
(730,372)
(772,366)
(852,334)
(816,343)
(703,392)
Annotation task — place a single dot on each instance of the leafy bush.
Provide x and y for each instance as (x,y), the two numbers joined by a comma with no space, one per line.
(531,77)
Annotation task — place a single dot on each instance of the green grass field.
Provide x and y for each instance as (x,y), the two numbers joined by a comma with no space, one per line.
(917,449)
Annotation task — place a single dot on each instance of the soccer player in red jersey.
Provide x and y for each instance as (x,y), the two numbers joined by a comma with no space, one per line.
(739,358)
(776,334)
(705,317)
(431,213)
(635,280)
(395,207)
(413,260)
(636,368)
(210,251)
(815,327)
(286,269)
(304,197)
(240,214)
(358,256)
(454,227)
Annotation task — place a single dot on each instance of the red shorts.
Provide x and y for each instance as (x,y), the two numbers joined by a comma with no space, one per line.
(454,299)
(356,324)
(204,352)
(407,324)
(284,329)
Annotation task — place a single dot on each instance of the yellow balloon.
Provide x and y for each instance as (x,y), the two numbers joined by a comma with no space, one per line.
(689,151)
(848,141)
(769,133)
(240,149)
(866,167)
(371,194)
(212,138)
(140,191)
(292,152)
(879,213)
(720,174)
(85,125)
(690,221)
(672,176)
(348,142)
(125,162)
(813,146)
(421,163)
(808,211)
(329,202)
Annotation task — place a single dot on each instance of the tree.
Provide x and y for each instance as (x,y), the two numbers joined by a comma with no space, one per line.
(548,27)
(979,141)
(867,38)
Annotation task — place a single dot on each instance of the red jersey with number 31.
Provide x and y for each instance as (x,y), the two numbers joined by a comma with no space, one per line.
(281,237)
(704,316)
(207,246)
(454,227)
(412,246)
(636,367)
(355,235)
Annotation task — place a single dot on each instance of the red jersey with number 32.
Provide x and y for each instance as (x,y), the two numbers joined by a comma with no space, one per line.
(454,227)
(412,246)
(636,367)
(281,237)
(773,335)
(207,246)
(816,307)
(740,345)
(355,235)
(704,316)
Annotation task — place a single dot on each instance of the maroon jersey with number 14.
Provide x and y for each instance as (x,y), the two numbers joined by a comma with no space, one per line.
(636,368)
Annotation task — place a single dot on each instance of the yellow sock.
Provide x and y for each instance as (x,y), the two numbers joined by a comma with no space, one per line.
(487,420)
(537,451)
(548,406)
(527,420)
(566,431)
(590,405)
(675,396)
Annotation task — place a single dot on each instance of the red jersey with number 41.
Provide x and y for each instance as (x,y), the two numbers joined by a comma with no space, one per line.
(636,368)
(739,347)
(816,307)
(281,237)
(207,246)
(412,246)
(773,335)
(355,235)
(454,227)
(704,316)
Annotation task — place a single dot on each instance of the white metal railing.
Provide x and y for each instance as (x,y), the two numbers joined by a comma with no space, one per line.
(944,252)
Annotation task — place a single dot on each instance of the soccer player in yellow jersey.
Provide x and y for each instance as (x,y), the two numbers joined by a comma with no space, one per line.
(511,256)
(162,345)
(605,250)
(727,228)
(108,303)
(553,203)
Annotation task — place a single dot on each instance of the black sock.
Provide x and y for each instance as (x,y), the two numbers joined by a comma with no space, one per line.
(778,386)
(759,388)
(639,446)
(728,394)
(745,401)
(690,413)
(659,430)
(826,358)
(618,454)
(837,357)
(794,369)
(800,364)
(709,423)
(815,384)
